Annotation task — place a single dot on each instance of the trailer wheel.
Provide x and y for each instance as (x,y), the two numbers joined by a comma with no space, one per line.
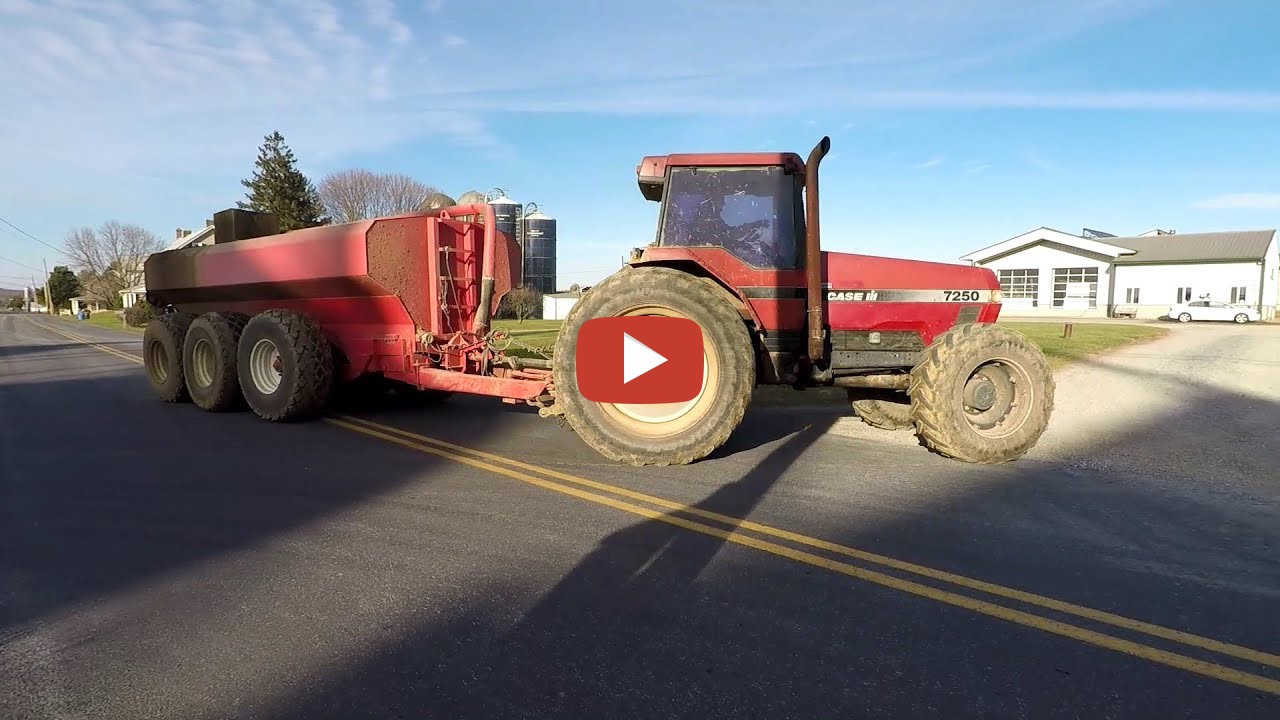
(285,366)
(162,356)
(981,394)
(209,356)
(882,409)
(675,434)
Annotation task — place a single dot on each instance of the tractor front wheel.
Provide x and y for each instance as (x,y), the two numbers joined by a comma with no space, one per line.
(670,433)
(981,394)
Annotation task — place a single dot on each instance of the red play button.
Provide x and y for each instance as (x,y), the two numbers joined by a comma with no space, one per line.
(639,360)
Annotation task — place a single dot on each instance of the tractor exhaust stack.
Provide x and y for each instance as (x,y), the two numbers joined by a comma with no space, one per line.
(813,251)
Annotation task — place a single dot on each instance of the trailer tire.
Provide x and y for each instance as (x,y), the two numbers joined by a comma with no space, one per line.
(285,366)
(162,356)
(981,394)
(209,356)
(882,409)
(620,432)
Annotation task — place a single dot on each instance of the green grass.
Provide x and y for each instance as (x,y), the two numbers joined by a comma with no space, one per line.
(538,333)
(105,319)
(1086,338)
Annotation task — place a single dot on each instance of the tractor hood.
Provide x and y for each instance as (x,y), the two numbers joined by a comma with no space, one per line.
(848,271)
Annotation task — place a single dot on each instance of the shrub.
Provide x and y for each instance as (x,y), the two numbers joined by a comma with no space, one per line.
(139,314)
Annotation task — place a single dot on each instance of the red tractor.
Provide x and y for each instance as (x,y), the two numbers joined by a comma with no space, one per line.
(278,319)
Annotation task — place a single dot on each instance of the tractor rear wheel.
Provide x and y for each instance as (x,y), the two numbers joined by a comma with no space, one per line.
(285,366)
(162,356)
(981,394)
(209,356)
(660,434)
(882,409)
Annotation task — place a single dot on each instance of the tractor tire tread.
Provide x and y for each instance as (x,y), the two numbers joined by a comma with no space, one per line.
(313,359)
(930,399)
(171,330)
(738,358)
(226,329)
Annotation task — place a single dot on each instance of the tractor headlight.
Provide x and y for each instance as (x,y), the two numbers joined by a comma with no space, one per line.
(996,296)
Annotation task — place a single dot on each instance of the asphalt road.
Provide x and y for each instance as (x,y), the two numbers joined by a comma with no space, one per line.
(161,562)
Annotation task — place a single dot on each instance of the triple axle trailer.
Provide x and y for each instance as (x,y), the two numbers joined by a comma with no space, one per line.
(280,321)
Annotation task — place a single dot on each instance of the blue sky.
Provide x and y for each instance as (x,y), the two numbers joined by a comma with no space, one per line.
(954,124)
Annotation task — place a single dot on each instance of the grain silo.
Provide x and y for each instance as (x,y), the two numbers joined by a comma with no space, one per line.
(507,214)
(539,250)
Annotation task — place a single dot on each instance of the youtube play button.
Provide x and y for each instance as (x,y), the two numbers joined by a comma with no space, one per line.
(639,360)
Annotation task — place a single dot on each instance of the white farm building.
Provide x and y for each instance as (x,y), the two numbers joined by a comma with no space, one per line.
(1094,274)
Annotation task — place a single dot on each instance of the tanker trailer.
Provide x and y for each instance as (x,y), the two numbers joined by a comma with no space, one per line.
(280,319)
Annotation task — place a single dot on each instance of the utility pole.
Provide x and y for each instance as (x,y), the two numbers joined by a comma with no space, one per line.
(32,297)
(48,299)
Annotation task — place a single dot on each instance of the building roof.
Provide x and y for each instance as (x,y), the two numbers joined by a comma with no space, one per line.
(191,239)
(566,294)
(1047,234)
(1195,247)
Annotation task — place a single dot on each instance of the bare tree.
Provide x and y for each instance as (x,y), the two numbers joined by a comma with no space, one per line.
(350,195)
(523,303)
(110,258)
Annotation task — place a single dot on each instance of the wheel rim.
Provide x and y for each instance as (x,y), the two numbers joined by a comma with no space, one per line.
(666,419)
(1241,318)
(997,397)
(203,362)
(264,367)
(1184,317)
(158,362)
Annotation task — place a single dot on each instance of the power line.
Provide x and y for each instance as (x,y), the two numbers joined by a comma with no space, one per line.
(33,237)
(15,262)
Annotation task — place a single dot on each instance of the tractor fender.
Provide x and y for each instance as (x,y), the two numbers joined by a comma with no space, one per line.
(729,293)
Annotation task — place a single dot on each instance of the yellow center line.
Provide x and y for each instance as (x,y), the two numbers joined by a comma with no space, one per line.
(1146,652)
(1101,616)
(90,343)
(506,466)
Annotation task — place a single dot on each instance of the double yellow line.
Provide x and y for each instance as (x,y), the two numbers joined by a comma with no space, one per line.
(834,557)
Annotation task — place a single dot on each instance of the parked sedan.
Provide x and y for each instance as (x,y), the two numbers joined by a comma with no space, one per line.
(1210,310)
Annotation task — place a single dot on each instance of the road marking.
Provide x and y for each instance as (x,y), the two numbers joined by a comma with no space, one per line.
(1146,652)
(1101,616)
(90,343)
(471,457)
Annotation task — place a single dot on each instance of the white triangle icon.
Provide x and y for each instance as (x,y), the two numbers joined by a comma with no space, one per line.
(637,358)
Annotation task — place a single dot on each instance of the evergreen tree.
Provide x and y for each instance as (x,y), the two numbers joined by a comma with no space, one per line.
(278,187)
(63,285)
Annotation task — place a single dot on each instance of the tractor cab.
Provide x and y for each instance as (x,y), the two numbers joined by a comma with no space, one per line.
(749,204)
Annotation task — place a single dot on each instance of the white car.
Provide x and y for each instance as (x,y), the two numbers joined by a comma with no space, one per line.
(1211,310)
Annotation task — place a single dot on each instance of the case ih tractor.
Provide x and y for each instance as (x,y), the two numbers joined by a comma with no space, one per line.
(279,321)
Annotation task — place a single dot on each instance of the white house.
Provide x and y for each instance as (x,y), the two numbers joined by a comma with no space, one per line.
(1094,274)
(181,238)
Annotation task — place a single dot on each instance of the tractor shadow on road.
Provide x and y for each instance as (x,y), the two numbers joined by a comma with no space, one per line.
(646,621)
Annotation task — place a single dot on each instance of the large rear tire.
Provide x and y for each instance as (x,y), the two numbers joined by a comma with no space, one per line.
(981,394)
(162,356)
(675,434)
(209,357)
(285,366)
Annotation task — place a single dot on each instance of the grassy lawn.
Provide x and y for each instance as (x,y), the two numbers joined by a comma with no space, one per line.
(104,319)
(1086,338)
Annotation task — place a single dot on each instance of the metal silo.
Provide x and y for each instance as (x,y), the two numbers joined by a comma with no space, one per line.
(471,197)
(539,250)
(507,214)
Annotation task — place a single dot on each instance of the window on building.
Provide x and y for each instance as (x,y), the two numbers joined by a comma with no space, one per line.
(1238,295)
(1075,286)
(1020,284)
(1131,296)
(1184,294)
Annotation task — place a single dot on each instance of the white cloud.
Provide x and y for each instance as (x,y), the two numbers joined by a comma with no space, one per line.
(932,162)
(452,40)
(433,6)
(1241,201)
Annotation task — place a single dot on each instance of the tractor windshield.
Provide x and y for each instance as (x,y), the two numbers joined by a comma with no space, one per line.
(751,212)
